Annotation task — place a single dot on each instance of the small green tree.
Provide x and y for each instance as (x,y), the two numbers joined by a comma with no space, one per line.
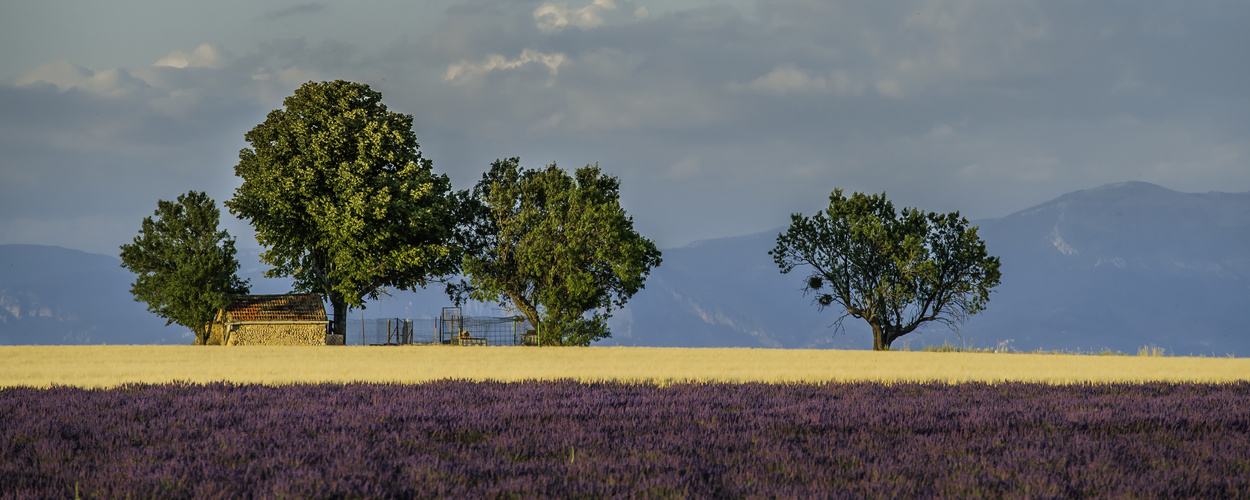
(335,187)
(894,270)
(554,246)
(185,266)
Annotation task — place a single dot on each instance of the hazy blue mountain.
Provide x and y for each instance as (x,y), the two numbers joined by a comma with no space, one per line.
(1123,266)
(726,292)
(1120,267)
(53,295)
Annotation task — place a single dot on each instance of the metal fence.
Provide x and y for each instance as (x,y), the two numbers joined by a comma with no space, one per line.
(450,330)
(398,331)
(486,330)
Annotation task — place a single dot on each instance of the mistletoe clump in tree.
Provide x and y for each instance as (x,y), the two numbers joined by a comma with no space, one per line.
(336,189)
(186,268)
(894,270)
(555,246)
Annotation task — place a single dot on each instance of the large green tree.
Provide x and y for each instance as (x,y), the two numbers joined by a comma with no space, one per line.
(895,270)
(186,268)
(555,246)
(336,189)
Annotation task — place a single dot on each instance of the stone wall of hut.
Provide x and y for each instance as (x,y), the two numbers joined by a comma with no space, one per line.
(310,334)
(216,332)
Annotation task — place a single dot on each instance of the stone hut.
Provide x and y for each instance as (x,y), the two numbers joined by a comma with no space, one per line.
(271,320)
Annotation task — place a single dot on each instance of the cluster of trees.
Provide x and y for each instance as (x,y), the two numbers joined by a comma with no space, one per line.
(339,194)
(345,204)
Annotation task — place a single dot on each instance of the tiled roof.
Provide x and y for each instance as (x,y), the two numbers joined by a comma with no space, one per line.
(304,307)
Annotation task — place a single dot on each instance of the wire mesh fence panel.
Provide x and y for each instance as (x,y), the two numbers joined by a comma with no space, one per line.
(354,335)
(449,330)
(451,324)
(423,331)
(482,330)
(392,331)
(399,331)
(383,331)
(486,330)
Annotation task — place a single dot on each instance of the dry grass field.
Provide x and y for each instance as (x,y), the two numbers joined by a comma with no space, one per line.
(110,366)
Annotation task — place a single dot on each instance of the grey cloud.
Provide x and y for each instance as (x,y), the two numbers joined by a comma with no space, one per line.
(1033,89)
(720,120)
(86,161)
(294,10)
(81,167)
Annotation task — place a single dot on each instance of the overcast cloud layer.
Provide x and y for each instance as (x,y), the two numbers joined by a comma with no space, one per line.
(720,118)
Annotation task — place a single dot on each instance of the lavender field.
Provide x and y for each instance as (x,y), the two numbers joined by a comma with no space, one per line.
(569,439)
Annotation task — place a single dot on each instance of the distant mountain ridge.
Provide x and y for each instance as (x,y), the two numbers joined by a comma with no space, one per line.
(1139,226)
(1119,266)
(1116,267)
(54,295)
(1124,265)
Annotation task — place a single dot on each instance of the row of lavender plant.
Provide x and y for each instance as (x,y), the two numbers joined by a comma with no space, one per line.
(568,439)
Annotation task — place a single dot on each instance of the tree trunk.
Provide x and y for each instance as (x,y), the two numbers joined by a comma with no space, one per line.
(340,316)
(530,312)
(880,342)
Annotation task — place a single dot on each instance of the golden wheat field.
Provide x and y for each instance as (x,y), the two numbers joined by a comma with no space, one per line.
(110,366)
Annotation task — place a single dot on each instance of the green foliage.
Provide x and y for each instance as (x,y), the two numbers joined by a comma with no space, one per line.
(337,191)
(554,246)
(894,270)
(185,266)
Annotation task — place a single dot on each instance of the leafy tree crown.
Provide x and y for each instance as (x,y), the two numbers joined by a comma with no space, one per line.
(894,269)
(337,190)
(186,267)
(556,246)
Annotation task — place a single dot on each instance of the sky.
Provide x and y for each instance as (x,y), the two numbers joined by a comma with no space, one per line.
(719,118)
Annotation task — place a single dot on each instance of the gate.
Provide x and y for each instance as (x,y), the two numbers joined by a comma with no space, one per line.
(450,324)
